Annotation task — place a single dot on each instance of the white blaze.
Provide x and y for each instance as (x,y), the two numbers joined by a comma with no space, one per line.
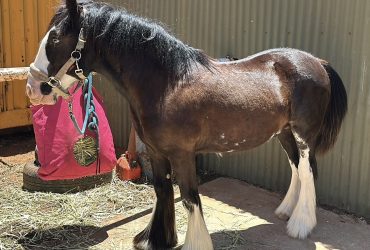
(33,85)
(41,61)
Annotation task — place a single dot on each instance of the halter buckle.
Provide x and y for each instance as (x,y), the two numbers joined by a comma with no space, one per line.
(53,82)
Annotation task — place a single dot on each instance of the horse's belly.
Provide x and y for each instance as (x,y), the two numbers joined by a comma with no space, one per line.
(242,133)
(235,144)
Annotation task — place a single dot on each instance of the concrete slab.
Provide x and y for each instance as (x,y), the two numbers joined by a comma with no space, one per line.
(241,216)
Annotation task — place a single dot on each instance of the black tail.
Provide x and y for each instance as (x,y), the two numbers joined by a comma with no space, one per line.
(337,109)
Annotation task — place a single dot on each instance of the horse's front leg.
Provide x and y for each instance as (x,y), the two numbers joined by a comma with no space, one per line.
(197,236)
(161,231)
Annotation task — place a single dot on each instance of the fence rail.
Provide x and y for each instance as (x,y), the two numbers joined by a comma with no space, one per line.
(10,74)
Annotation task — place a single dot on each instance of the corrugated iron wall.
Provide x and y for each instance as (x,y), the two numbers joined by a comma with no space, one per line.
(23,23)
(336,30)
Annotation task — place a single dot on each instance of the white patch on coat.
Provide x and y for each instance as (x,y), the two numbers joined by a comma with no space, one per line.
(33,85)
(219,155)
(222,136)
(197,236)
(274,134)
(299,140)
(285,210)
(303,218)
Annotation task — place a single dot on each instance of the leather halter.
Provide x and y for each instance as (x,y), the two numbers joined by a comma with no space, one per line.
(55,81)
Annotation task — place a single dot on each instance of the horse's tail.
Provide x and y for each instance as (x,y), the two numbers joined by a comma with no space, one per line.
(336,110)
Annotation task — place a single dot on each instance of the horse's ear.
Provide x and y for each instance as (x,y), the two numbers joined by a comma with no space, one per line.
(73,11)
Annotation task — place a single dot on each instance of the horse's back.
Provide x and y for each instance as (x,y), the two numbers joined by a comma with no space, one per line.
(294,63)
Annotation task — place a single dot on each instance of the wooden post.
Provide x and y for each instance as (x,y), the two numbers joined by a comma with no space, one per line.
(9,74)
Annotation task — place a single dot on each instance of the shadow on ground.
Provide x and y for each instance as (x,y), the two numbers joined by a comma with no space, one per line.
(15,144)
(64,237)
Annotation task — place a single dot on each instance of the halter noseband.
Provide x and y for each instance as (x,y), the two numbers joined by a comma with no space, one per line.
(55,81)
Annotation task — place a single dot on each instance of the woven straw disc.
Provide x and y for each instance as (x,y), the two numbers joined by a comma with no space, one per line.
(85,151)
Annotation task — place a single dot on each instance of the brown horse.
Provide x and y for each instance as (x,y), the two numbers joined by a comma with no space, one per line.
(184,103)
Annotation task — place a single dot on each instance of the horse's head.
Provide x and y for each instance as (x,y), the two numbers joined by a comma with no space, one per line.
(60,59)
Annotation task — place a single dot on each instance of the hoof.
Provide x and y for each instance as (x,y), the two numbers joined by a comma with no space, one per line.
(301,227)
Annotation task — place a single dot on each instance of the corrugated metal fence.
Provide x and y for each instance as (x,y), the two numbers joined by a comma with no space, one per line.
(22,24)
(336,30)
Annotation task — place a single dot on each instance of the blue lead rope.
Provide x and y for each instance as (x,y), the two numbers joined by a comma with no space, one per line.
(91,120)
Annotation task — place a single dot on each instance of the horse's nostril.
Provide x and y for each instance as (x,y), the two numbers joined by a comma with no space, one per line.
(45,88)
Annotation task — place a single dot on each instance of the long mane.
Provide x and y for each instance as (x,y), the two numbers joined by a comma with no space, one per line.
(121,32)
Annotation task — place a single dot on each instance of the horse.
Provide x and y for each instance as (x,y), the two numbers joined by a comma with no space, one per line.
(183,103)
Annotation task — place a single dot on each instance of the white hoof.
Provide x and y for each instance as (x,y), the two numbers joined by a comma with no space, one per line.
(301,223)
(298,230)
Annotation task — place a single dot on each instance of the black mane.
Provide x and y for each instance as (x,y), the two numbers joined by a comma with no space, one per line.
(120,32)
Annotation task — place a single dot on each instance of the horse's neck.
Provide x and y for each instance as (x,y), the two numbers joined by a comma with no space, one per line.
(142,82)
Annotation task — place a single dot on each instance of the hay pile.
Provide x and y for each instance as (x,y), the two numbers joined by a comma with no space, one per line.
(62,221)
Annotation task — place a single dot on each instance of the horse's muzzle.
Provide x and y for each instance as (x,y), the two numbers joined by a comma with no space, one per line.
(33,91)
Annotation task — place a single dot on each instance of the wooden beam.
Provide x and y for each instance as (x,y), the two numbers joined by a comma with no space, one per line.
(15,118)
(9,74)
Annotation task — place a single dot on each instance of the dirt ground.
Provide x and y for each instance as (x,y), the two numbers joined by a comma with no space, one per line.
(238,215)
(241,216)
(16,149)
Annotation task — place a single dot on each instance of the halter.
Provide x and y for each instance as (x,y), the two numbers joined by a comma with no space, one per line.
(55,81)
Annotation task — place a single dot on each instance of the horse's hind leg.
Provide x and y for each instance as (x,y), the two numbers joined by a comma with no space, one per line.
(197,236)
(161,231)
(303,218)
(287,141)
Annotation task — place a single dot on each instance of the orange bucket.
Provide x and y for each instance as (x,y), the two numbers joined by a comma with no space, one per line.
(128,168)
